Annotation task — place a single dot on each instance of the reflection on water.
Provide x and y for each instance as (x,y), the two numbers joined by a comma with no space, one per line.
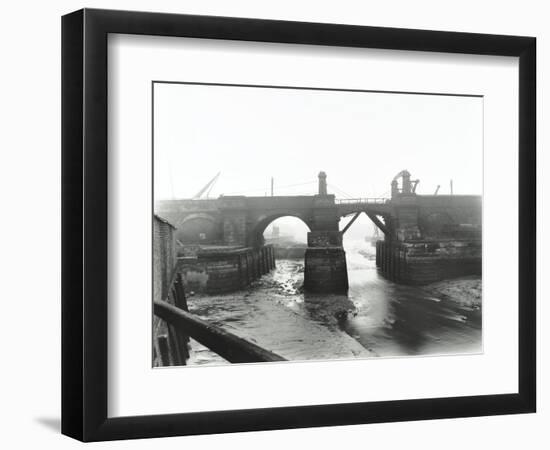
(376,318)
(396,320)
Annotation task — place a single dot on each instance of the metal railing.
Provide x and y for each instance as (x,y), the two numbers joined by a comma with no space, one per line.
(367,200)
(182,325)
(229,346)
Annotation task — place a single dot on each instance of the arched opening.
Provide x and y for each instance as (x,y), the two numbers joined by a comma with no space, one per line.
(264,228)
(359,238)
(197,229)
(287,235)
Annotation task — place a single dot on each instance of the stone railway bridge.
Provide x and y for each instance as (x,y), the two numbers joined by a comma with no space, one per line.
(414,226)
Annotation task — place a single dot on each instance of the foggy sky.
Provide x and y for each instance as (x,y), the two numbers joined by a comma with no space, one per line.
(360,139)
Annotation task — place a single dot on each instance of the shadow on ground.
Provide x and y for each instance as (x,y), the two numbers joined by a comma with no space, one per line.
(53,423)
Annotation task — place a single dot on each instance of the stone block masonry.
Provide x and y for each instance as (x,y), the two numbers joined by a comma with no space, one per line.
(325,268)
(226,270)
(429,261)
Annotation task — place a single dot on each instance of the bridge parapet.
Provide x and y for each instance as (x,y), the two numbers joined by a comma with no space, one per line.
(361,201)
(233,202)
(184,205)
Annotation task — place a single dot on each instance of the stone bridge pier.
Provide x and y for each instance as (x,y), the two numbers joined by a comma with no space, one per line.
(325,263)
(325,269)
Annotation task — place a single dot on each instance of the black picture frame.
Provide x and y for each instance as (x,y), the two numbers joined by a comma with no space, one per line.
(84,224)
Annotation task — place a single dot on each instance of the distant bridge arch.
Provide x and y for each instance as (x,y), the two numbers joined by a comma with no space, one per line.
(198,228)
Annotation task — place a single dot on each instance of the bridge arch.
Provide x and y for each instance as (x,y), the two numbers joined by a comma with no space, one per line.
(255,237)
(198,228)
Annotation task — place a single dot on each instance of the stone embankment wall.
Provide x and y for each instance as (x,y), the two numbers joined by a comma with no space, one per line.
(429,261)
(220,271)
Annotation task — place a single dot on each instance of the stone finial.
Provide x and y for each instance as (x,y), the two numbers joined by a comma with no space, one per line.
(394,189)
(322,183)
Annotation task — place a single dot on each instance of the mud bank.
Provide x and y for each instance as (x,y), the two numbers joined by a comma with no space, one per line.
(275,314)
(465,291)
(273,326)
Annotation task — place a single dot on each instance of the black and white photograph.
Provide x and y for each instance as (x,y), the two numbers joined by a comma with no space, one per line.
(275,225)
(299,223)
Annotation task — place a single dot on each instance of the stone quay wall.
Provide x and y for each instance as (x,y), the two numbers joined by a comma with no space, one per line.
(222,271)
(429,261)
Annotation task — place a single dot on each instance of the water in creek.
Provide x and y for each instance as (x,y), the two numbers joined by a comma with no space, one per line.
(378,318)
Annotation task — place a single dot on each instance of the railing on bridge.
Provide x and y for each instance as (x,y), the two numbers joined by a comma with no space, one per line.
(366,200)
(181,325)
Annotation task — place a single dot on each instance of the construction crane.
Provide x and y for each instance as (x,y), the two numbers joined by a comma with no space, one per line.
(207,188)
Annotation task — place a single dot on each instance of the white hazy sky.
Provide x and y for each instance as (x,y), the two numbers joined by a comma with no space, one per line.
(360,139)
